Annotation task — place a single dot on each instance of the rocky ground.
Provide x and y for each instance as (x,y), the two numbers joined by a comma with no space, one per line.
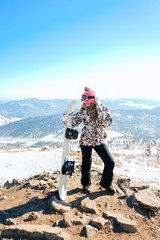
(31,209)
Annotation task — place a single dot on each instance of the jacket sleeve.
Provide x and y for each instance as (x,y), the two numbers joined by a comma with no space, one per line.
(76,119)
(104,115)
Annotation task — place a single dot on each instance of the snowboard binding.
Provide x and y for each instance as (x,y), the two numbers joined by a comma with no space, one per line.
(68,168)
(71,133)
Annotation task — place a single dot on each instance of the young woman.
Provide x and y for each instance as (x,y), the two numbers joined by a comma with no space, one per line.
(95,118)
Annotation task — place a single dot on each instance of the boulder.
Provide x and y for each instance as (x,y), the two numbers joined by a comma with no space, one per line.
(135,185)
(59,206)
(129,192)
(100,222)
(12,183)
(35,231)
(123,183)
(90,231)
(72,219)
(89,205)
(125,223)
(119,190)
(31,184)
(148,199)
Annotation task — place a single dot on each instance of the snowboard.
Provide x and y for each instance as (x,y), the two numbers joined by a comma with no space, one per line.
(65,154)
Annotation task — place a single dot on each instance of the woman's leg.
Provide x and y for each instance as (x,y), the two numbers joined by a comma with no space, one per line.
(109,164)
(86,165)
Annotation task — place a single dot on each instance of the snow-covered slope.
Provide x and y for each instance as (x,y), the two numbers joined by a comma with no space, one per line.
(131,163)
(4,120)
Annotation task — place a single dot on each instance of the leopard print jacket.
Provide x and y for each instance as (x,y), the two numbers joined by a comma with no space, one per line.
(93,133)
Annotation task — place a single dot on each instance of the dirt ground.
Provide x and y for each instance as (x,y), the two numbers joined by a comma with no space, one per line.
(16,202)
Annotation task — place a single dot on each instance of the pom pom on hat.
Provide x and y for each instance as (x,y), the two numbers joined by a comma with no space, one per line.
(86,89)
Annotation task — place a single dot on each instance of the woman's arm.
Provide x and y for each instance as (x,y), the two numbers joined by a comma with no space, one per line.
(77,118)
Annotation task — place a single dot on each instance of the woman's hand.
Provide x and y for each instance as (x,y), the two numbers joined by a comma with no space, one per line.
(98,102)
(82,105)
(66,118)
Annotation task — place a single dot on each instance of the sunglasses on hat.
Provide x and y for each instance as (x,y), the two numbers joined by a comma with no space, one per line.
(85,97)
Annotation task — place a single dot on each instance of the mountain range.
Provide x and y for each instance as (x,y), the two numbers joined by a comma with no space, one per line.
(36,119)
(33,107)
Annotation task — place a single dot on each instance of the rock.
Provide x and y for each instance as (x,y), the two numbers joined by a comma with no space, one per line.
(90,231)
(35,231)
(125,223)
(33,216)
(43,184)
(100,222)
(107,205)
(60,206)
(41,176)
(59,223)
(123,183)
(12,183)
(129,192)
(10,221)
(118,190)
(148,199)
(155,191)
(124,180)
(44,149)
(138,185)
(89,205)
(128,187)
(31,184)
(34,200)
(54,177)
(85,219)
(50,183)
(72,219)
(57,172)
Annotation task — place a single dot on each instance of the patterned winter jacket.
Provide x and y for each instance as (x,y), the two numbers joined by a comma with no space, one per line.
(93,132)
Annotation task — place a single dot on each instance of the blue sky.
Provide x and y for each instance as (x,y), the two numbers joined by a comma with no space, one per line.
(52,49)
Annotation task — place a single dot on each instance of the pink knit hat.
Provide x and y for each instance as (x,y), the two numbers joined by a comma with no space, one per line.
(89,95)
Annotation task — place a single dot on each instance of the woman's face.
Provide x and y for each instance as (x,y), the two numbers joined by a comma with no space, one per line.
(89,105)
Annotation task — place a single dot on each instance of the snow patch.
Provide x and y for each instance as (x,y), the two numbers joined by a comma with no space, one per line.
(26,105)
(112,134)
(4,120)
(131,104)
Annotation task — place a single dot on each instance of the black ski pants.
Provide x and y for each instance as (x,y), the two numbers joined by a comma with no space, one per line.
(107,159)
